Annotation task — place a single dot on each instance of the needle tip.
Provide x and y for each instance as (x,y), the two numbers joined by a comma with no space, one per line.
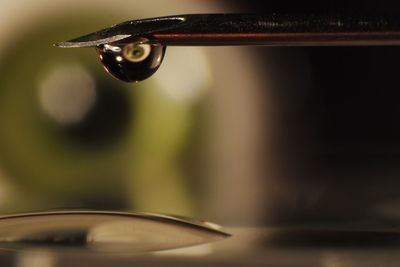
(87,42)
(63,44)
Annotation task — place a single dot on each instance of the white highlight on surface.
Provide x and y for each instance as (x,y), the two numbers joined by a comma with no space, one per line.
(186,75)
(36,258)
(67,93)
(193,251)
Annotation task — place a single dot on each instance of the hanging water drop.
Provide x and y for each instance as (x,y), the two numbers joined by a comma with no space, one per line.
(132,62)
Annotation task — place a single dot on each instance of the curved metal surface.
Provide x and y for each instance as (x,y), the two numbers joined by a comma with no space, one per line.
(104,231)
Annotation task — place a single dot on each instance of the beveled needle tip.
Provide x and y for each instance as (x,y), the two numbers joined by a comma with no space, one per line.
(125,30)
(76,43)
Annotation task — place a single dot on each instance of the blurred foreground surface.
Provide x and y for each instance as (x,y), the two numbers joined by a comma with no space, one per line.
(248,247)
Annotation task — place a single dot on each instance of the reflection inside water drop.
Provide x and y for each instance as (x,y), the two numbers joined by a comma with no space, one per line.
(132,62)
(103,231)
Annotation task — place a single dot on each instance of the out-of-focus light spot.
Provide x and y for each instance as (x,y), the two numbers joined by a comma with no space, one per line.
(335,260)
(118,58)
(194,251)
(67,93)
(186,73)
(36,258)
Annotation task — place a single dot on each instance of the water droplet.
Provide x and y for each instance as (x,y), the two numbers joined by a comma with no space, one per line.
(132,62)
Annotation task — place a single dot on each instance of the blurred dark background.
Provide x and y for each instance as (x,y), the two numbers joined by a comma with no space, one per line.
(341,126)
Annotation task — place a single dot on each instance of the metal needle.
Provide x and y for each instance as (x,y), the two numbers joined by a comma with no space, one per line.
(250,29)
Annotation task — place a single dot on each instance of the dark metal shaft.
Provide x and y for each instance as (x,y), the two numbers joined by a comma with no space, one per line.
(250,29)
(281,30)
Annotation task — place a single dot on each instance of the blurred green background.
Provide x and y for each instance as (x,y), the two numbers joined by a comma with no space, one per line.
(72,136)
